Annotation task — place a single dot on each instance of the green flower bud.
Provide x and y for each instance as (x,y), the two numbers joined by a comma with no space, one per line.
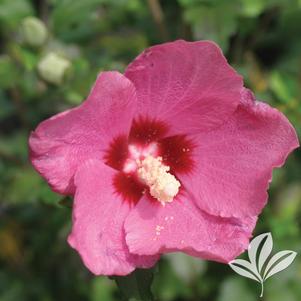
(53,68)
(34,31)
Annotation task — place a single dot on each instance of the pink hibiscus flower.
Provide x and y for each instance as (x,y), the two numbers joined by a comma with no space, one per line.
(175,155)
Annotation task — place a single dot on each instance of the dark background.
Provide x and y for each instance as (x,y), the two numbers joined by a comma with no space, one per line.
(49,66)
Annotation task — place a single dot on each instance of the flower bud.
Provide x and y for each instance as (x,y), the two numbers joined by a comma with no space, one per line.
(34,31)
(53,68)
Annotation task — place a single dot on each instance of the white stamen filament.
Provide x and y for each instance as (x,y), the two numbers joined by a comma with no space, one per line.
(163,186)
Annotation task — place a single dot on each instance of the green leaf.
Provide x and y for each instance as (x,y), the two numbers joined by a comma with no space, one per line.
(253,8)
(283,86)
(73,20)
(137,285)
(12,12)
(215,23)
(102,289)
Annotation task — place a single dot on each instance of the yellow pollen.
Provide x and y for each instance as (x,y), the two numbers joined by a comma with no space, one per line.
(163,186)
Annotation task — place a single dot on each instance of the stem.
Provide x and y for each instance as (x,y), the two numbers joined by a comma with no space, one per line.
(43,10)
(261,294)
(158,16)
(15,96)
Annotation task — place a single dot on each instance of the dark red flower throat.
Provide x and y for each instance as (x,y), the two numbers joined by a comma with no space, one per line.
(148,136)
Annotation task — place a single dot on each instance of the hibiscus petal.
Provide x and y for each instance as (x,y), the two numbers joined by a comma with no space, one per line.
(189,85)
(180,226)
(233,164)
(60,144)
(98,219)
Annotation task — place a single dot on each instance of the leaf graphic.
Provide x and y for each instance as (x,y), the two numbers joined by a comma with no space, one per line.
(244,268)
(248,266)
(259,251)
(279,262)
(265,251)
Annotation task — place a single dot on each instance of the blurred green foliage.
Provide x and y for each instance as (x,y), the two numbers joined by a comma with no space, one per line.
(261,38)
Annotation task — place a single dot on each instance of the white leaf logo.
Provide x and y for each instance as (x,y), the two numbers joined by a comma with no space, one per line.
(259,268)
